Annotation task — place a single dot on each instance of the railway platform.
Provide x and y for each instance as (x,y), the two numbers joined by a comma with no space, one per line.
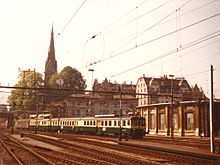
(36,143)
(173,148)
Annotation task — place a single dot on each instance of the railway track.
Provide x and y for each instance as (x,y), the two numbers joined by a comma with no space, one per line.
(103,154)
(86,149)
(16,153)
(158,155)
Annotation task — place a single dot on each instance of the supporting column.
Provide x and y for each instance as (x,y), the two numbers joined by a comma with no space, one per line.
(211,110)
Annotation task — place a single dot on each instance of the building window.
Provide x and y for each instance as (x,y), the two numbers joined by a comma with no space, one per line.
(162,121)
(152,121)
(175,121)
(190,121)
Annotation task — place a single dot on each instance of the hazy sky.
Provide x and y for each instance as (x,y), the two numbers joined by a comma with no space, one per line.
(122,39)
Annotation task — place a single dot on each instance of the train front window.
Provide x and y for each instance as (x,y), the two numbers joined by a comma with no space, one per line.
(134,122)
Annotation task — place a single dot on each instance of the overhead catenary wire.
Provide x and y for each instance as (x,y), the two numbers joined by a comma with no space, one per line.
(117,20)
(140,16)
(141,33)
(64,27)
(158,38)
(193,43)
(68,22)
(165,21)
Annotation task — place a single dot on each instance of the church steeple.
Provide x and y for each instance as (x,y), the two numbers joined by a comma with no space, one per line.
(51,63)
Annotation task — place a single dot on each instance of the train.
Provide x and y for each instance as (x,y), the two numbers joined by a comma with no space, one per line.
(126,126)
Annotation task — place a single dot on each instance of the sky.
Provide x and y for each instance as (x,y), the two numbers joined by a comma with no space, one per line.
(122,40)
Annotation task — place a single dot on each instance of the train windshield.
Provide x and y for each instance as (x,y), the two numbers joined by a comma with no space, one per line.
(138,121)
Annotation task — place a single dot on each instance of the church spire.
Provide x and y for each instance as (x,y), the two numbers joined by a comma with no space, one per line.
(51,51)
(51,63)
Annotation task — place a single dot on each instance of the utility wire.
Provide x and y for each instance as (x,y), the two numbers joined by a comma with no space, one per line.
(140,35)
(183,14)
(68,22)
(167,54)
(148,12)
(158,38)
(110,25)
(154,25)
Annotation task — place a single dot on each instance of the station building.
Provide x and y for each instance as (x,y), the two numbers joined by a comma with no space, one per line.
(163,101)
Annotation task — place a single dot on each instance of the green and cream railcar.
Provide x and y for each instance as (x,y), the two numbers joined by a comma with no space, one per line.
(128,126)
(54,124)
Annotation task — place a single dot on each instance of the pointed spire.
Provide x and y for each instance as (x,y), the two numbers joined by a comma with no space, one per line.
(51,51)
(51,63)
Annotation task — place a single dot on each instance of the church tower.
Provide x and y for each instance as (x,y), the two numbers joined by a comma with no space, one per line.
(51,63)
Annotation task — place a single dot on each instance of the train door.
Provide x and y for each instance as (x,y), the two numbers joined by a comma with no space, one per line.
(98,126)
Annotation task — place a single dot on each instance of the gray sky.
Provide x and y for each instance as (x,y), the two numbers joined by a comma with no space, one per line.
(131,38)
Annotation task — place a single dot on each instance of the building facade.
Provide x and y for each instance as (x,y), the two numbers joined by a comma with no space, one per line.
(190,118)
(172,108)
(106,98)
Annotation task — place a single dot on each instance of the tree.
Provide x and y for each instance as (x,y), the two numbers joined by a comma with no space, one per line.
(69,78)
(3,108)
(26,99)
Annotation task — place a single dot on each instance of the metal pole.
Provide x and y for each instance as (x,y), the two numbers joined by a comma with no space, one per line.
(171,113)
(120,114)
(211,109)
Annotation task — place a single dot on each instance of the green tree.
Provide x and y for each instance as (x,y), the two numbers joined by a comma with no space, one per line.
(68,81)
(24,99)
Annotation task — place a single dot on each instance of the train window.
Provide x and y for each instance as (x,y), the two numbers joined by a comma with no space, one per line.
(110,123)
(87,122)
(124,122)
(102,123)
(106,123)
(90,122)
(128,122)
(93,122)
(119,123)
(84,122)
(134,122)
(115,123)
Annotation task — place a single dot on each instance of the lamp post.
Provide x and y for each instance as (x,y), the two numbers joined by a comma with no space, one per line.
(91,102)
(171,113)
(91,70)
(120,112)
